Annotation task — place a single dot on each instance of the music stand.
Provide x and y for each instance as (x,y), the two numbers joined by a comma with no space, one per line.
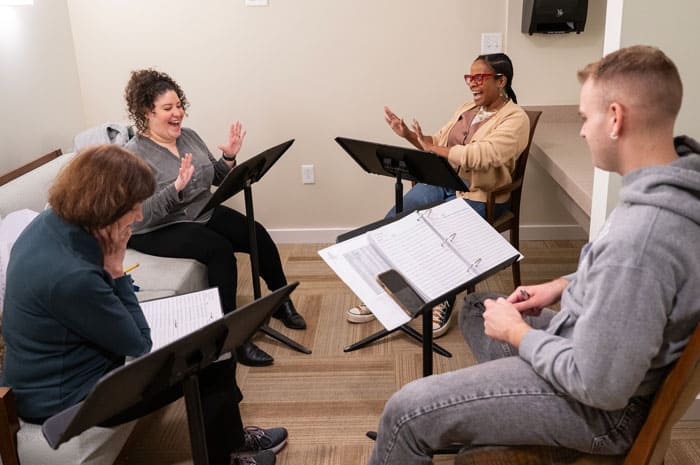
(241,178)
(400,163)
(177,362)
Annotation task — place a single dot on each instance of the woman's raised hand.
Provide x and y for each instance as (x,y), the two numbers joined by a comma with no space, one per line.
(236,134)
(186,172)
(426,143)
(395,123)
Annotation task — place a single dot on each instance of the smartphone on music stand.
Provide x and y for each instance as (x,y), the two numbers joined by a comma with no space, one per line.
(401,292)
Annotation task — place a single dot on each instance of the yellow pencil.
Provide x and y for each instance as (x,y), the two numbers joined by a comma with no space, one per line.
(133,267)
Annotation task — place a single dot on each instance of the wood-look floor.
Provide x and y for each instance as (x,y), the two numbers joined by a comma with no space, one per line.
(329,399)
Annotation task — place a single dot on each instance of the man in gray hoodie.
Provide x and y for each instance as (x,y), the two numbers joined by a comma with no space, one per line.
(583,377)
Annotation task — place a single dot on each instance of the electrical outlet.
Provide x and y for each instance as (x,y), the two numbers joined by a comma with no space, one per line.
(491,42)
(307,174)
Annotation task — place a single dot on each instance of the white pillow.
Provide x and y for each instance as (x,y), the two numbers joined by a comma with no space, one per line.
(10,228)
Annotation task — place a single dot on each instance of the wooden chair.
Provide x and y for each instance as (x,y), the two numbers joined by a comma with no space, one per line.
(510,220)
(676,394)
(9,426)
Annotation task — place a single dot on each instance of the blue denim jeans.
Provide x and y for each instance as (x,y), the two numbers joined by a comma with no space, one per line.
(421,195)
(499,401)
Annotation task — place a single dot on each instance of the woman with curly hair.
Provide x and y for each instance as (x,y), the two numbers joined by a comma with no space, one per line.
(185,170)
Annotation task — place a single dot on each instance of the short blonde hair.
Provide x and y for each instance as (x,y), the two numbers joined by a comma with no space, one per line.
(642,68)
(99,186)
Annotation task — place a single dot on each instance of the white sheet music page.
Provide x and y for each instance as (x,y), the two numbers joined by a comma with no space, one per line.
(474,238)
(174,317)
(420,254)
(357,263)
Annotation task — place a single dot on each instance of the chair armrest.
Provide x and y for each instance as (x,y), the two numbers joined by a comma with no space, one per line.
(491,198)
(508,188)
(9,426)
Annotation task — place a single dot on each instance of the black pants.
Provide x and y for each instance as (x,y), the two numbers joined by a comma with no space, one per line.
(213,244)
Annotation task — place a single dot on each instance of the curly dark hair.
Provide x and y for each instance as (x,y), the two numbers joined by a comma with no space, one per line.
(100,185)
(143,89)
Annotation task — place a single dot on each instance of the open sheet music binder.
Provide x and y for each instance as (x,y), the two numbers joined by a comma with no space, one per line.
(440,252)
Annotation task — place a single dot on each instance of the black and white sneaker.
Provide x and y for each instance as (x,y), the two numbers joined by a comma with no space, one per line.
(442,318)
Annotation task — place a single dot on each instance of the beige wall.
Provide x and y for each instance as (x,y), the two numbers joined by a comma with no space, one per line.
(305,69)
(546,66)
(313,70)
(39,88)
(676,32)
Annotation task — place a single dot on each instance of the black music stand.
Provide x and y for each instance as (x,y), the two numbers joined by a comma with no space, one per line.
(177,362)
(241,178)
(400,163)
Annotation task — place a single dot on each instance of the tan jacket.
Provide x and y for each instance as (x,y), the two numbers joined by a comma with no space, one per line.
(488,160)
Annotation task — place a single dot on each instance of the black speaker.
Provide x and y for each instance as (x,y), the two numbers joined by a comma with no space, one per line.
(554,16)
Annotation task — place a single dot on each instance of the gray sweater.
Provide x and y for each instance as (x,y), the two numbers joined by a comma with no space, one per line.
(634,301)
(167,206)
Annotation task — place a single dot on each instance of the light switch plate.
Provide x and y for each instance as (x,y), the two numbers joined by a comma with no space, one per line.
(491,42)
(256,2)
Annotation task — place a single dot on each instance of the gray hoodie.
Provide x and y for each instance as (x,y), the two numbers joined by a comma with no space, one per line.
(634,300)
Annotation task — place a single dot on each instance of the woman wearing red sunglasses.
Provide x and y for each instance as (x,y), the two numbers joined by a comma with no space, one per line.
(482,141)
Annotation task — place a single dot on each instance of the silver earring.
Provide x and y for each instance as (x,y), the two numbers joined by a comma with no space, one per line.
(613,135)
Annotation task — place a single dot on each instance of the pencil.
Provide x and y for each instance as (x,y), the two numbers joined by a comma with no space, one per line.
(131,268)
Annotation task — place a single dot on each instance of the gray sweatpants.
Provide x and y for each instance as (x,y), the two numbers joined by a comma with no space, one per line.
(499,401)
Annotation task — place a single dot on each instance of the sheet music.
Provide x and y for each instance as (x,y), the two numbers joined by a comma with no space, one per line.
(422,246)
(424,258)
(173,317)
(357,263)
(474,238)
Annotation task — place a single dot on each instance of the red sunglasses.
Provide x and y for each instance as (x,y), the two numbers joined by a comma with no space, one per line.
(479,78)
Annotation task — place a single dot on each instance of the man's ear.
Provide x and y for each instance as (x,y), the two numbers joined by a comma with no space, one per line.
(616,114)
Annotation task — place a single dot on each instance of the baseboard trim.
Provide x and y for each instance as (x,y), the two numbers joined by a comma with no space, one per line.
(307,235)
(328,235)
(552,232)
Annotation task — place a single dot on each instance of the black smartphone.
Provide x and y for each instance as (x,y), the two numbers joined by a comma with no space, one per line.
(401,292)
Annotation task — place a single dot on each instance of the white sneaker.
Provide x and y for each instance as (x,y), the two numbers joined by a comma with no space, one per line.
(359,314)
(442,318)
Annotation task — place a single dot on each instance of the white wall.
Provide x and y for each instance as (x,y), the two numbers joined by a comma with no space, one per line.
(39,88)
(675,32)
(546,66)
(313,70)
(305,69)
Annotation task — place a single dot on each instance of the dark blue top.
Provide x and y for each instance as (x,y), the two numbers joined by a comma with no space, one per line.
(66,321)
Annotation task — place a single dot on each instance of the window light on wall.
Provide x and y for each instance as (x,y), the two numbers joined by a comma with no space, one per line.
(16,2)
